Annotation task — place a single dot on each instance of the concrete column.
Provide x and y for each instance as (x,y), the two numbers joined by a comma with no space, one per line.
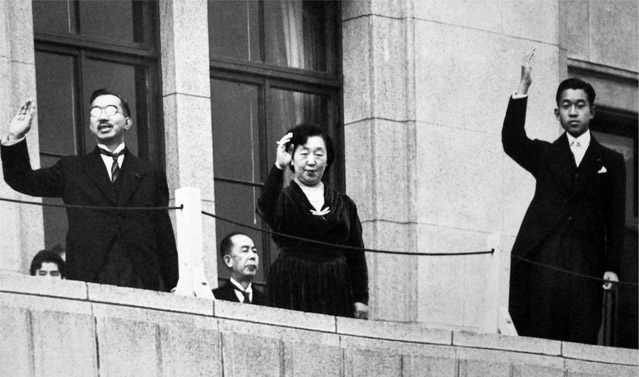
(426,85)
(22,226)
(187,108)
(379,120)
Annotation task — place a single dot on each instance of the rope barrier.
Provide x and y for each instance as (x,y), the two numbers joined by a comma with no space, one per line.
(343,246)
(572,272)
(492,251)
(90,207)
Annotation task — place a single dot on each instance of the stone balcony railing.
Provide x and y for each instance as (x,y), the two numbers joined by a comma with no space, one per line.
(69,328)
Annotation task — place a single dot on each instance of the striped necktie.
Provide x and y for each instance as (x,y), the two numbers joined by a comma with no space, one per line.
(115,167)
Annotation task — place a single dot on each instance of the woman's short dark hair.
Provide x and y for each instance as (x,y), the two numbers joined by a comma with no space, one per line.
(46,256)
(303,131)
(576,84)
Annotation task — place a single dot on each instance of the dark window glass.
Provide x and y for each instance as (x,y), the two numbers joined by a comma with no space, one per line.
(118,21)
(57,17)
(55,73)
(298,33)
(234,27)
(236,144)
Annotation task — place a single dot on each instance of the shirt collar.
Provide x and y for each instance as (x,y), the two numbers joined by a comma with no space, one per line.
(583,139)
(117,150)
(248,289)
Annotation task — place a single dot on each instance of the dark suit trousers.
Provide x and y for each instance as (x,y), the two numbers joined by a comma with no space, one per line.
(560,306)
(117,267)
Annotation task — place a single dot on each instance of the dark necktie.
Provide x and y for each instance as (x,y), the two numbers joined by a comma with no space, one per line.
(115,167)
(247,299)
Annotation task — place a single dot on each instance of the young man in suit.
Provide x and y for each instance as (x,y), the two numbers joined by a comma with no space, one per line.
(239,255)
(575,221)
(130,248)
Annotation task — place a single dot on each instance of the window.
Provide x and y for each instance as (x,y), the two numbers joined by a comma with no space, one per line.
(274,64)
(618,131)
(82,46)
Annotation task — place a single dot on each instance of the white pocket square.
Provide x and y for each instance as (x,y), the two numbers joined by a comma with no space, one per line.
(602,170)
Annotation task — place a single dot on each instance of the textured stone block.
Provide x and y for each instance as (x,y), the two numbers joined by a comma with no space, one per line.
(578,368)
(404,332)
(424,366)
(251,355)
(274,316)
(43,303)
(478,362)
(602,354)
(16,347)
(189,147)
(312,359)
(287,334)
(364,363)
(402,287)
(484,15)
(46,287)
(128,348)
(573,29)
(190,351)
(185,47)
(392,347)
(507,343)
(377,55)
(459,184)
(357,62)
(149,299)
(64,344)
(522,19)
(613,34)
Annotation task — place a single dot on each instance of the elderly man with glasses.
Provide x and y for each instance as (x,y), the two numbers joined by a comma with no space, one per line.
(130,248)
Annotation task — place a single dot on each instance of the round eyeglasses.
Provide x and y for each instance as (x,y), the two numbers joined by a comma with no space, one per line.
(110,111)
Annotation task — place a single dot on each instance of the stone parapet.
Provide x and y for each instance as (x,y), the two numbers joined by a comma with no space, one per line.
(69,328)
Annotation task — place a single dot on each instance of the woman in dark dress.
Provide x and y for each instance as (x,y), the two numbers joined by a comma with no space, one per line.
(308,276)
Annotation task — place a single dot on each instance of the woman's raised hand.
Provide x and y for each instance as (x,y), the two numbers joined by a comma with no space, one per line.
(283,155)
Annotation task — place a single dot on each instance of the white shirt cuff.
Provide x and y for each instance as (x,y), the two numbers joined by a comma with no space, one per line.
(7,143)
(517,96)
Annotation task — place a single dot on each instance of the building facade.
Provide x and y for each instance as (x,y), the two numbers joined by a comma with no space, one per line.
(413,92)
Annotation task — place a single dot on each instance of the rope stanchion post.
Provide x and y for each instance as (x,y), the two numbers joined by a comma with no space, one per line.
(192,280)
(501,322)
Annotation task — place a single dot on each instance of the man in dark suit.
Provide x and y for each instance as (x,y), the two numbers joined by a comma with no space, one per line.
(575,221)
(130,248)
(239,255)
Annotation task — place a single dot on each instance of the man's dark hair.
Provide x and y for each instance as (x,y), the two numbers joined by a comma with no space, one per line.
(46,256)
(303,131)
(575,83)
(227,244)
(104,92)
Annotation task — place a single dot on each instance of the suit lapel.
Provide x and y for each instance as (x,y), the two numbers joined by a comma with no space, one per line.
(563,162)
(96,171)
(131,174)
(590,164)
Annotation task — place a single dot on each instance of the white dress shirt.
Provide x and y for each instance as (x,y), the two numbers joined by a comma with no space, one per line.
(579,145)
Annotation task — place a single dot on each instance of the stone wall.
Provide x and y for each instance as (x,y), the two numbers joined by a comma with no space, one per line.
(66,328)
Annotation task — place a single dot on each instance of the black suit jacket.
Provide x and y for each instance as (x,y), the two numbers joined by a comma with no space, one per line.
(227,293)
(591,197)
(83,180)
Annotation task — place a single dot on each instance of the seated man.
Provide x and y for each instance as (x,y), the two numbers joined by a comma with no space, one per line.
(47,263)
(239,254)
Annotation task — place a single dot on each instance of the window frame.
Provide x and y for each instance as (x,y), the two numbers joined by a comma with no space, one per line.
(266,76)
